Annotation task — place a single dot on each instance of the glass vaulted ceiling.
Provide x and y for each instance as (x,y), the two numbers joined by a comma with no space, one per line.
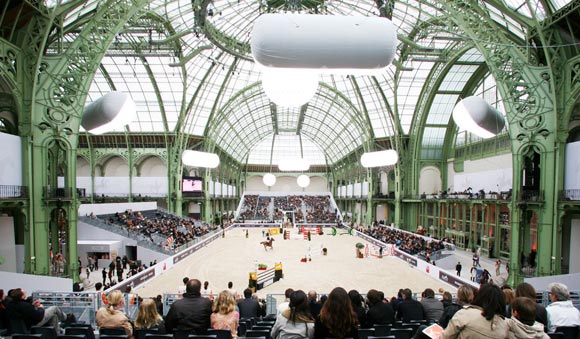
(187,65)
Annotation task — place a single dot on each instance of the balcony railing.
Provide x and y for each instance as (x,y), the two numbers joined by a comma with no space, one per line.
(13,192)
(570,194)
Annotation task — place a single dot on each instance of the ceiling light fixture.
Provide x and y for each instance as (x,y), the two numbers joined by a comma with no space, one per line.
(303,180)
(293,164)
(111,111)
(379,159)
(200,159)
(269,179)
(475,115)
(319,44)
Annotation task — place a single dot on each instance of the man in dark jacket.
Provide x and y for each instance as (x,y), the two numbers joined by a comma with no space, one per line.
(314,305)
(379,313)
(248,307)
(410,309)
(24,312)
(191,313)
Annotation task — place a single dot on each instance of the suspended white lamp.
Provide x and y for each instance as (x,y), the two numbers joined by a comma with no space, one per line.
(200,159)
(287,87)
(293,164)
(329,44)
(379,159)
(303,181)
(110,112)
(269,179)
(476,116)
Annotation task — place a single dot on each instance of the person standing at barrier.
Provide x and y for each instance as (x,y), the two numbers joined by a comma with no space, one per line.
(248,306)
(111,316)
(284,305)
(191,313)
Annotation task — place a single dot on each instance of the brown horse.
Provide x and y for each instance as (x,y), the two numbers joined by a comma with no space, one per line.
(268,243)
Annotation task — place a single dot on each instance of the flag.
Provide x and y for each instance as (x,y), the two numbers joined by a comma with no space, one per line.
(169,240)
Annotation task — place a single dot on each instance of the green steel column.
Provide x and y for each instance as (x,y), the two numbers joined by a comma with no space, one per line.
(559,211)
(131,163)
(370,213)
(207,209)
(516,220)
(40,263)
(72,212)
(546,226)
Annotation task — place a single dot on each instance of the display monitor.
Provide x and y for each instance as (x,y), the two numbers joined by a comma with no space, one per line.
(192,184)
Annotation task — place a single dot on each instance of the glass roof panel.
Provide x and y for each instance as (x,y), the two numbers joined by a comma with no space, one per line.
(457,77)
(409,88)
(220,84)
(80,11)
(473,55)
(506,21)
(559,4)
(441,109)
(433,136)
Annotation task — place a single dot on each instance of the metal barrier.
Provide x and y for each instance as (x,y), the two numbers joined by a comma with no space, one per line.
(84,305)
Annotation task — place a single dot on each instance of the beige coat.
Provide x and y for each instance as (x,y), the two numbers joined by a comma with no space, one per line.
(468,323)
(117,319)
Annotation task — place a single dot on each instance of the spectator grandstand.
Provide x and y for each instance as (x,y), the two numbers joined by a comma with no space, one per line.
(162,229)
(306,208)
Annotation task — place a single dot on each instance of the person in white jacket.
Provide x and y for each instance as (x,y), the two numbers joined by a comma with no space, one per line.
(561,312)
(522,324)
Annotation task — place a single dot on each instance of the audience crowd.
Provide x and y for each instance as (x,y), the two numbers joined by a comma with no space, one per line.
(306,208)
(165,230)
(489,312)
(414,244)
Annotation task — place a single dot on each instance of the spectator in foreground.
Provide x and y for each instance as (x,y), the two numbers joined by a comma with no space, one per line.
(522,324)
(148,318)
(249,307)
(527,291)
(296,322)
(483,319)
(464,297)
(31,313)
(358,306)
(561,312)
(410,309)
(191,313)
(224,316)
(379,312)
(111,316)
(337,318)
(315,306)
(432,307)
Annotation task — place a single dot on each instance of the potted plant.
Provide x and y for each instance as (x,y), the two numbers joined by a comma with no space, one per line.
(359,247)
(262,267)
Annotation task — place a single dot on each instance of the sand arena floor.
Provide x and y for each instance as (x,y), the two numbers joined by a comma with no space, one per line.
(233,257)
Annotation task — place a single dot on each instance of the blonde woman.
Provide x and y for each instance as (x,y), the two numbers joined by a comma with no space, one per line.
(111,316)
(148,318)
(224,316)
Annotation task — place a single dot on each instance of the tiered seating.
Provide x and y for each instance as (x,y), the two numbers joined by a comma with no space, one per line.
(407,242)
(162,229)
(249,206)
